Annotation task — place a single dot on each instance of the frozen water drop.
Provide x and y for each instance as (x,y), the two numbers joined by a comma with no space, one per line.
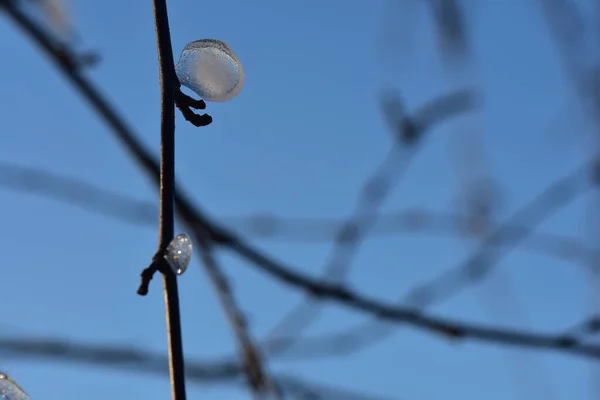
(9,390)
(179,252)
(210,68)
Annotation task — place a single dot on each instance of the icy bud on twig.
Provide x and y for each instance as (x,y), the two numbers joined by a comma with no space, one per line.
(179,253)
(211,69)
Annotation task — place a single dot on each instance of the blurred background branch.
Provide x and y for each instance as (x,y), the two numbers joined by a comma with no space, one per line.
(480,220)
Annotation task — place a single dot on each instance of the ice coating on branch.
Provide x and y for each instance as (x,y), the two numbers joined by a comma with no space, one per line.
(9,390)
(179,253)
(211,69)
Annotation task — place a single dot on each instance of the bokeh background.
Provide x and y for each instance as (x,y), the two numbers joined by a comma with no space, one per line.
(298,144)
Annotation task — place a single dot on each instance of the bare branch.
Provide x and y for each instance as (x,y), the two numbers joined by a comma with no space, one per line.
(146,362)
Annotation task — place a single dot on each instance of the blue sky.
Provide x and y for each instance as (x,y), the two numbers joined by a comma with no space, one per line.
(298,141)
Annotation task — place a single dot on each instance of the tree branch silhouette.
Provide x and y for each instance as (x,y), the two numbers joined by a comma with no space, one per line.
(481,262)
(192,216)
(143,361)
(168,86)
(258,379)
(64,61)
(409,132)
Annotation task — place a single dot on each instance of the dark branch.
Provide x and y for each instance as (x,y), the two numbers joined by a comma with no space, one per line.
(186,104)
(168,85)
(146,362)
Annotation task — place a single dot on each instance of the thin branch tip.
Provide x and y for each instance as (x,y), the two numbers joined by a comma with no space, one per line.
(147,275)
(187,104)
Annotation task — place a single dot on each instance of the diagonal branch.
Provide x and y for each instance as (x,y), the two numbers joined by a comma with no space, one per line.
(121,131)
(258,379)
(409,132)
(143,361)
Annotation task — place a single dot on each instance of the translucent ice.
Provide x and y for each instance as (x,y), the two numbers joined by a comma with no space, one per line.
(9,390)
(179,252)
(211,69)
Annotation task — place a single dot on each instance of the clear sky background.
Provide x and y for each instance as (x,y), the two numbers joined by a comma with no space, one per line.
(299,141)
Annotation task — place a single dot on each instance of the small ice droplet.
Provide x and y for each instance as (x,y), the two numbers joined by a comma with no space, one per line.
(9,390)
(210,68)
(179,252)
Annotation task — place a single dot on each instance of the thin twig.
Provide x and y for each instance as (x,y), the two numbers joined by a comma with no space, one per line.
(409,133)
(480,263)
(129,358)
(168,86)
(257,376)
